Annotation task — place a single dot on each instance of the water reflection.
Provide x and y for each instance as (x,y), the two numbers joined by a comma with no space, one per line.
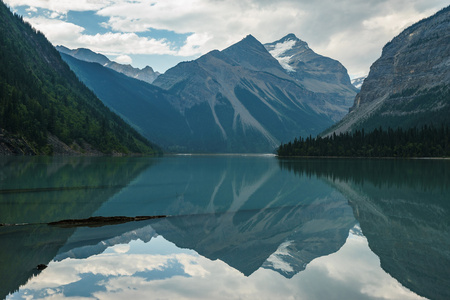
(46,189)
(246,227)
(160,270)
(240,210)
(403,207)
(39,190)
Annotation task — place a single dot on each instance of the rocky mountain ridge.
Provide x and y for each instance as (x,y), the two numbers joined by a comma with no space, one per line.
(246,100)
(146,74)
(240,99)
(409,84)
(315,72)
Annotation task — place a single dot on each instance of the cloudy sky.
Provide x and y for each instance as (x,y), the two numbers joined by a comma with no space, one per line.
(161,33)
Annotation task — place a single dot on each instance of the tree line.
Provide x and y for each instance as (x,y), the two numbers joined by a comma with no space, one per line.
(427,141)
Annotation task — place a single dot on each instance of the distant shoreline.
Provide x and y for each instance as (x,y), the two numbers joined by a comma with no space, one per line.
(365,157)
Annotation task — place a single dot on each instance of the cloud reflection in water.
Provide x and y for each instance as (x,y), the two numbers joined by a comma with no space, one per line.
(124,271)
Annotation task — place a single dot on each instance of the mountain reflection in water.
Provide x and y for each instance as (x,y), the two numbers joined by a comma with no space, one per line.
(39,190)
(403,207)
(251,213)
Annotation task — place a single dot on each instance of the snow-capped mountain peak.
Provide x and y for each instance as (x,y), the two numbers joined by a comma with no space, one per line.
(357,82)
(279,52)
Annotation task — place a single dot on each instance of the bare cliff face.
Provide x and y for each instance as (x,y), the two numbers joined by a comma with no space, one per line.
(409,84)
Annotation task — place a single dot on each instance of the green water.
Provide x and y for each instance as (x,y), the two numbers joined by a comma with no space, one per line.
(238,227)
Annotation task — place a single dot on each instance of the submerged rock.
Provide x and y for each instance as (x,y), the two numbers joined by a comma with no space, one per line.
(101,221)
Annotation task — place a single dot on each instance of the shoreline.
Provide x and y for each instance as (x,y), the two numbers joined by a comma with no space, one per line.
(366,157)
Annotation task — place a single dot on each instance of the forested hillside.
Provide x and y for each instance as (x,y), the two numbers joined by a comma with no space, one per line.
(427,141)
(45,106)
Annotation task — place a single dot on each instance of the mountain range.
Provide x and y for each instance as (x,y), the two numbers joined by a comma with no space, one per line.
(45,109)
(408,85)
(248,97)
(146,74)
(240,99)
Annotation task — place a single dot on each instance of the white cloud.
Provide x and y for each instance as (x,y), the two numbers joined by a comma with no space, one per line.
(60,32)
(55,15)
(56,30)
(195,44)
(115,43)
(351,31)
(121,248)
(215,24)
(62,6)
(31,9)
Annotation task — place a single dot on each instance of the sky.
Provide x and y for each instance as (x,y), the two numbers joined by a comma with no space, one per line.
(162,33)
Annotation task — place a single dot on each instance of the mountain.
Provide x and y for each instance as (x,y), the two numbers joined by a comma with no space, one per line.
(144,106)
(146,74)
(236,100)
(242,100)
(409,85)
(44,108)
(315,72)
(357,82)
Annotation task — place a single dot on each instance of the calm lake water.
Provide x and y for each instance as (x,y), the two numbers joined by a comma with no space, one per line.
(238,227)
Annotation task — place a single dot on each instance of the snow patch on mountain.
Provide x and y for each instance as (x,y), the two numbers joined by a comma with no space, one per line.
(358,82)
(277,261)
(278,52)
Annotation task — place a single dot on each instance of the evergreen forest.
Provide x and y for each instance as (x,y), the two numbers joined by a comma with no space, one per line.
(427,141)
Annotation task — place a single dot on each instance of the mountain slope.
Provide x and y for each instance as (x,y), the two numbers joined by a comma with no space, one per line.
(315,72)
(242,100)
(236,100)
(409,84)
(146,107)
(43,103)
(146,74)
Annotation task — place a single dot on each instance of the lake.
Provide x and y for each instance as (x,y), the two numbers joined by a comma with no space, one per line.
(237,227)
